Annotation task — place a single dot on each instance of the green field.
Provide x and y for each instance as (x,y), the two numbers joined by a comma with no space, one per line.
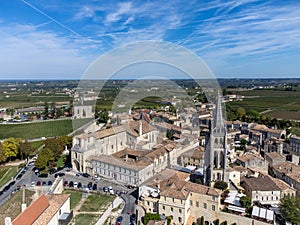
(84,219)
(94,203)
(40,129)
(6,174)
(275,103)
(74,198)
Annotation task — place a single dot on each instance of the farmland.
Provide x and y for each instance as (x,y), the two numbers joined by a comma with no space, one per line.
(275,103)
(48,128)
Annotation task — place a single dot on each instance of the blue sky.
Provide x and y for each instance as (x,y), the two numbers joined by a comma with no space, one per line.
(59,39)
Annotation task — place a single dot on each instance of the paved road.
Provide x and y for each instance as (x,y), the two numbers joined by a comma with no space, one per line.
(30,176)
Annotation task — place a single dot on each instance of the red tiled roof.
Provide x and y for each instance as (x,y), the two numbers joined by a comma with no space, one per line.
(32,212)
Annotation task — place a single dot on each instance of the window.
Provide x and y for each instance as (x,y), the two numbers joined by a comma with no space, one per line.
(163,207)
(148,203)
(179,219)
(180,210)
(197,204)
(191,202)
(213,208)
(204,205)
(173,200)
(171,209)
(213,198)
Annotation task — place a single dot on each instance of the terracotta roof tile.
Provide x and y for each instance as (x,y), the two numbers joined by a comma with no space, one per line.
(32,212)
(56,202)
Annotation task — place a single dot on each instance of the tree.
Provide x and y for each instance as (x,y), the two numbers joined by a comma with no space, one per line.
(45,156)
(56,145)
(169,135)
(3,157)
(290,209)
(12,147)
(46,109)
(221,185)
(102,116)
(241,112)
(245,202)
(25,149)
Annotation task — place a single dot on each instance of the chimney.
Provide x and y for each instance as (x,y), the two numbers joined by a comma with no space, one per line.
(7,221)
(140,128)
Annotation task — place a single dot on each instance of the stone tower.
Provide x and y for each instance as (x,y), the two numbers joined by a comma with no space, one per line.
(215,148)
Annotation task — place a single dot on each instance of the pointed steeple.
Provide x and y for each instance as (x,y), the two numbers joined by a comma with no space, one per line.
(218,117)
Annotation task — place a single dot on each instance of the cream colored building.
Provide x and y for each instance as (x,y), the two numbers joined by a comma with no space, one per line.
(130,166)
(111,140)
(170,193)
(266,190)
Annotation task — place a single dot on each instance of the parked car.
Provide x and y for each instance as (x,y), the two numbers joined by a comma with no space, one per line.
(71,184)
(38,183)
(52,170)
(105,189)
(119,220)
(78,174)
(44,183)
(90,185)
(95,187)
(43,175)
(132,218)
(79,185)
(75,184)
(86,175)
(59,175)
(32,184)
(49,182)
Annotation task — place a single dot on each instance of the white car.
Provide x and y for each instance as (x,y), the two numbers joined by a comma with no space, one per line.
(75,184)
(32,184)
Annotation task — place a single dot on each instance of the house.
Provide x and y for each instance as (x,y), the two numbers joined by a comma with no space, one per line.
(130,166)
(50,209)
(274,158)
(193,157)
(288,172)
(111,140)
(295,145)
(251,160)
(168,193)
(261,189)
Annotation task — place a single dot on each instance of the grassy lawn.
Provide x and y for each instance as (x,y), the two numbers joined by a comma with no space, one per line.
(40,129)
(74,198)
(7,173)
(95,203)
(36,144)
(84,219)
(12,207)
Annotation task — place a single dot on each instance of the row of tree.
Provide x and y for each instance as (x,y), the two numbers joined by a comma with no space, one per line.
(253,116)
(53,149)
(15,148)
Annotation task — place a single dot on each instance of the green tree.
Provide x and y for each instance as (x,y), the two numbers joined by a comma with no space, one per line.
(12,147)
(3,157)
(56,145)
(221,185)
(46,109)
(245,202)
(25,149)
(290,209)
(169,135)
(241,112)
(45,156)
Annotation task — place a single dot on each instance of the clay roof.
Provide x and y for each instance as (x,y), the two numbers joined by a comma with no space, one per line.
(134,127)
(275,155)
(196,153)
(32,212)
(130,164)
(261,183)
(129,151)
(288,169)
(248,156)
(56,202)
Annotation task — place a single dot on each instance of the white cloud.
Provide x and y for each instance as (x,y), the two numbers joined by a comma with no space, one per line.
(39,55)
(123,8)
